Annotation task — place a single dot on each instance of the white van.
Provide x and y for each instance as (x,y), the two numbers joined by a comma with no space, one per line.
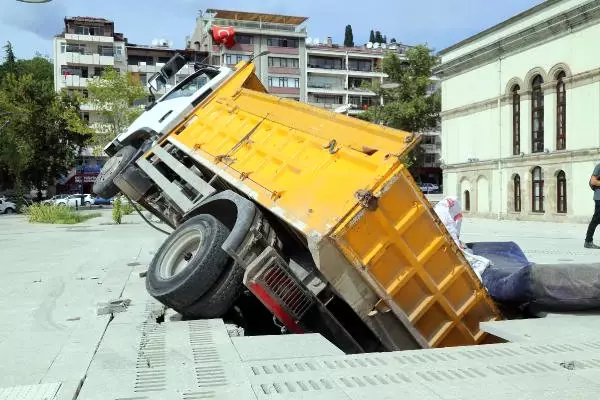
(160,116)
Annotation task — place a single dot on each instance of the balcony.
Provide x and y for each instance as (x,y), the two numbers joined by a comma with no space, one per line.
(258,26)
(326,88)
(327,106)
(88,59)
(367,73)
(87,107)
(73,81)
(144,68)
(89,38)
(249,48)
(284,90)
(285,71)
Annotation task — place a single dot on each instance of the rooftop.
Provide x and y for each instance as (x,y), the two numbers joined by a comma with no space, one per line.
(89,19)
(258,17)
(503,24)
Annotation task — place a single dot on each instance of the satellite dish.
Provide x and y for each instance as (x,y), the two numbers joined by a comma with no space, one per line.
(376,45)
(369,45)
(309,40)
(316,41)
(154,42)
(383,46)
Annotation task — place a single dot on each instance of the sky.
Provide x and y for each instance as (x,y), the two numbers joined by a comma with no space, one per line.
(437,23)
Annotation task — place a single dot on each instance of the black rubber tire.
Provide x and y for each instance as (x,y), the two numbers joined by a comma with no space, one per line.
(104,185)
(9,210)
(203,269)
(216,302)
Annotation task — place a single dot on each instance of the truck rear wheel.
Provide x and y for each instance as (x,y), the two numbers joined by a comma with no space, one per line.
(104,185)
(188,263)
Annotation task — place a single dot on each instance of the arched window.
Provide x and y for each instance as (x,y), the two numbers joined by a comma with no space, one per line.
(537,115)
(467,200)
(561,192)
(517,192)
(537,190)
(561,111)
(516,112)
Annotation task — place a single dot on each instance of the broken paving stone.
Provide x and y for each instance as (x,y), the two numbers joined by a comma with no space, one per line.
(74,319)
(37,281)
(133,264)
(113,306)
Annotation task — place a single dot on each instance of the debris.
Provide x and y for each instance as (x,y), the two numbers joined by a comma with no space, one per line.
(234,330)
(94,277)
(133,264)
(143,274)
(74,319)
(37,281)
(113,306)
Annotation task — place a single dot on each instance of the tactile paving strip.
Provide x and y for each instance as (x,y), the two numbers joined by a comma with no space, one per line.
(189,360)
(549,370)
(46,391)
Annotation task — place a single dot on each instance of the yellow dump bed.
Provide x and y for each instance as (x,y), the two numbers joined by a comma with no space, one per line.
(339,182)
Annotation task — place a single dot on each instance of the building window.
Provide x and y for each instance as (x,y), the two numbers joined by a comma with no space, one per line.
(280,62)
(517,192)
(516,111)
(282,42)
(244,39)
(232,59)
(325,63)
(561,192)
(360,65)
(89,30)
(106,50)
(537,115)
(284,82)
(561,112)
(467,196)
(537,190)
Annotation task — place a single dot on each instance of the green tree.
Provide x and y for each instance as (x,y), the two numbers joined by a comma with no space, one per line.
(393,40)
(113,94)
(378,37)
(410,106)
(372,36)
(42,130)
(10,61)
(348,37)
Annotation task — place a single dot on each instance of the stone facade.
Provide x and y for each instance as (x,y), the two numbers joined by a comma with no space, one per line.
(495,128)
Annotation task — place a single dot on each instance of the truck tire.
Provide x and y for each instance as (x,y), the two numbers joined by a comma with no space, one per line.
(104,185)
(188,263)
(217,301)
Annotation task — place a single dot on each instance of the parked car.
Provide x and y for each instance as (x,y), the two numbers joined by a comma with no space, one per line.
(74,200)
(54,199)
(101,201)
(7,207)
(429,187)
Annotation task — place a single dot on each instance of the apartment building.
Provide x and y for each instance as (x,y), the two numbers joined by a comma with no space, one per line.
(86,47)
(338,76)
(282,71)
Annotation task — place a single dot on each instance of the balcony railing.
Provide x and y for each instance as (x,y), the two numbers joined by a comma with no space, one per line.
(259,25)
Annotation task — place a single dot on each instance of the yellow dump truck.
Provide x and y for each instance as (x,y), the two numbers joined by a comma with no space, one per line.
(309,214)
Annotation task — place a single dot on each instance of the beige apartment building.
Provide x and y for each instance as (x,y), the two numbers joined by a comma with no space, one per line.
(282,71)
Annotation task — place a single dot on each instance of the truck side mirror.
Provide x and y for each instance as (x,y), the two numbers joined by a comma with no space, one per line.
(173,66)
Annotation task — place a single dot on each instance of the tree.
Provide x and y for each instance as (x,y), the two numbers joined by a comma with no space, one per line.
(10,61)
(113,95)
(393,40)
(378,37)
(410,106)
(39,142)
(372,37)
(348,37)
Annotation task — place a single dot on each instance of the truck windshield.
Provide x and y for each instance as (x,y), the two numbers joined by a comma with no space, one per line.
(191,84)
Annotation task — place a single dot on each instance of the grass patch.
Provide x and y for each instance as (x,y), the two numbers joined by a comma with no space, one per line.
(53,214)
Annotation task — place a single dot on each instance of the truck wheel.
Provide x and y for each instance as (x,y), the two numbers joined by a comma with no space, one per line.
(104,186)
(188,263)
(217,301)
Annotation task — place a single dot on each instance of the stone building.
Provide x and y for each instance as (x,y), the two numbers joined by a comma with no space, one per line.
(521,114)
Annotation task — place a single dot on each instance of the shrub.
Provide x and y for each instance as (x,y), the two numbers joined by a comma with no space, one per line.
(127,207)
(54,214)
(117,212)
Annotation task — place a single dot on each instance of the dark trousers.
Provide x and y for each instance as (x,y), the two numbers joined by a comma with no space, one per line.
(594,223)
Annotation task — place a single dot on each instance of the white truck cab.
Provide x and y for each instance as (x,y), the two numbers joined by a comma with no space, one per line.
(160,116)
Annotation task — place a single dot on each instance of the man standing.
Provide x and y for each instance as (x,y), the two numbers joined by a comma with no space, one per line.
(595,185)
